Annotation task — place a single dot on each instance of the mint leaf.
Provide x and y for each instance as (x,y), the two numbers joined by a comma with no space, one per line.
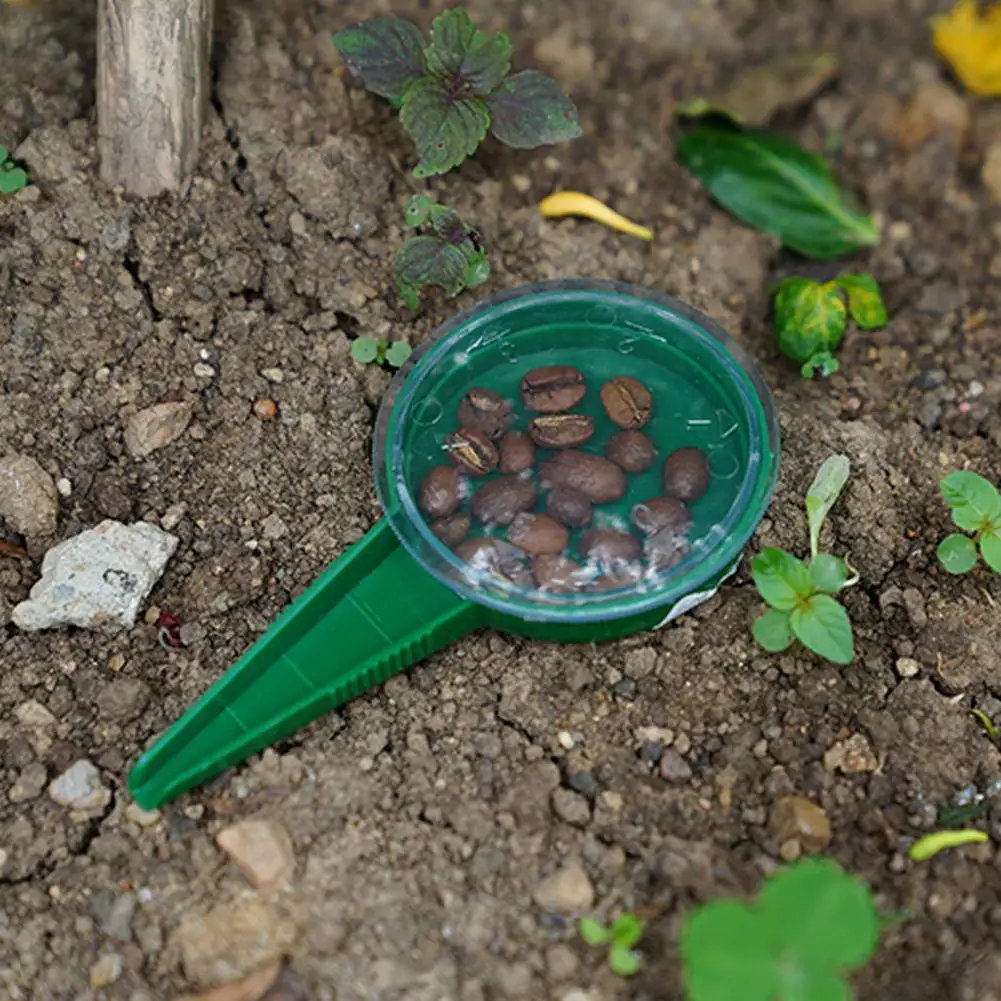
(530,110)
(823,917)
(727,953)
(823,626)
(593,932)
(829,574)
(429,260)
(974,500)
(990,549)
(781,579)
(957,553)
(445,129)
(823,494)
(386,54)
(865,301)
(364,350)
(452,36)
(772,630)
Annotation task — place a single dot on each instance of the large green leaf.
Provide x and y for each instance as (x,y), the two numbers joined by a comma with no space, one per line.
(823,626)
(776,186)
(781,579)
(386,54)
(821,916)
(445,129)
(974,500)
(530,110)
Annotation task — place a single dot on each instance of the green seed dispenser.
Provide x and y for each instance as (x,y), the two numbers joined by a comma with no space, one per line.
(399,594)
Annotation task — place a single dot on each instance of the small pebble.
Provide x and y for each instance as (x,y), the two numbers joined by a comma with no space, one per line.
(799,820)
(204,371)
(273,374)
(64,487)
(265,408)
(567,890)
(625,689)
(673,767)
(907,667)
(106,970)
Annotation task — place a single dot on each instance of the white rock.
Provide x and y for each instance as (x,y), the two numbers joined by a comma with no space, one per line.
(156,427)
(80,787)
(98,579)
(262,849)
(29,501)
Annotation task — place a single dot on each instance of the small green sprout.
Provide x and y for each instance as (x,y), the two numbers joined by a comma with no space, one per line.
(620,937)
(454,88)
(993,732)
(447,253)
(811,925)
(12,178)
(810,318)
(799,594)
(976,507)
(366,350)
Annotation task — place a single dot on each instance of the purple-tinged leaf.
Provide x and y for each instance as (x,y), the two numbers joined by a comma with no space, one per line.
(464,58)
(530,110)
(386,54)
(428,260)
(444,129)
(452,36)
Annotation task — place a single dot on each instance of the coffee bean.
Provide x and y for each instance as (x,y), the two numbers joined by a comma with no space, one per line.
(569,506)
(609,547)
(561,430)
(500,500)
(666,549)
(472,451)
(552,388)
(686,474)
(632,450)
(627,401)
(599,480)
(452,530)
(441,492)
(650,516)
(557,574)
(485,411)
(538,534)
(517,452)
(496,556)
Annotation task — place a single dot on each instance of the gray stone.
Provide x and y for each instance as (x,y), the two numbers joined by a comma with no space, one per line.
(122,699)
(30,783)
(117,923)
(98,579)
(80,788)
(157,426)
(29,501)
(571,807)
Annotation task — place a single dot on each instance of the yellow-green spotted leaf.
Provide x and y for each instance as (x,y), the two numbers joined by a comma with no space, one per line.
(810,319)
(865,301)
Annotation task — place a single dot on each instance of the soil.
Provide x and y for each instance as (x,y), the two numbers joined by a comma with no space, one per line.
(424,815)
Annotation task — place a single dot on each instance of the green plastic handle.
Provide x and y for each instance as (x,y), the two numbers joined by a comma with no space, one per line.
(373,613)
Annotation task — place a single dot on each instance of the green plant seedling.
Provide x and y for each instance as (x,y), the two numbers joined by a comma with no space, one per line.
(811,925)
(450,90)
(366,350)
(774,185)
(976,508)
(620,937)
(811,317)
(799,595)
(446,254)
(12,178)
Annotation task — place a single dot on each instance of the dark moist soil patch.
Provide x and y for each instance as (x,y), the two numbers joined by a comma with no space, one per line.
(425,814)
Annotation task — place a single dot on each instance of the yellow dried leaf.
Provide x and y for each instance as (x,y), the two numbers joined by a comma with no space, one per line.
(573,203)
(969,39)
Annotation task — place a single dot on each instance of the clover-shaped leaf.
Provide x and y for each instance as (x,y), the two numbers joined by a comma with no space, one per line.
(398,352)
(364,350)
(975,501)
(957,553)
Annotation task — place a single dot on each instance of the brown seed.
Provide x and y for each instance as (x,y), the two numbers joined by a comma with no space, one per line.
(440,492)
(557,574)
(538,534)
(500,500)
(552,388)
(497,556)
(609,547)
(265,409)
(632,450)
(485,411)
(561,430)
(517,452)
(569,506)
(650,516)
(599,480)
(627,401)
(686,474)
(452,530)
(473,451)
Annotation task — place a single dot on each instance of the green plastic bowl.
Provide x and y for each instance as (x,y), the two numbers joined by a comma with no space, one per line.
(399,595)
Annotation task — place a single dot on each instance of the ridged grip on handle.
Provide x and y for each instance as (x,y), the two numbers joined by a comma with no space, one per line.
(373,613)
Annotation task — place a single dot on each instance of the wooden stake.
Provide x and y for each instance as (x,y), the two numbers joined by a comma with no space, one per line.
(153,84)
